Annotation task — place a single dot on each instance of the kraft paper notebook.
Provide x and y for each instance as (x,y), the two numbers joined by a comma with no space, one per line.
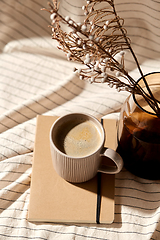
(52,199)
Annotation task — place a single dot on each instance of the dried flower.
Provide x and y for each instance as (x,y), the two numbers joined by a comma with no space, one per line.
(99,44)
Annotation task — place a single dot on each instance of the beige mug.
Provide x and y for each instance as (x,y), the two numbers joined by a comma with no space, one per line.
(77,147)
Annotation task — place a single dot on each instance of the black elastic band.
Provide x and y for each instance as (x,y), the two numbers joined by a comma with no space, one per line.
(98,193)
(98,198)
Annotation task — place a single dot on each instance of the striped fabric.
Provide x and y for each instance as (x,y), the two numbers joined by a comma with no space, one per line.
(35,78)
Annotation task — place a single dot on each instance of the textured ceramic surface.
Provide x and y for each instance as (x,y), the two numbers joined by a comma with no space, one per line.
(81,169)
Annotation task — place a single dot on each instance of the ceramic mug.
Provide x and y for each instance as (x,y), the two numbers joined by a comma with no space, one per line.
(77,147)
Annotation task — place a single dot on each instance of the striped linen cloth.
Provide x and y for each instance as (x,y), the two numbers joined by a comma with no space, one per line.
(35,78)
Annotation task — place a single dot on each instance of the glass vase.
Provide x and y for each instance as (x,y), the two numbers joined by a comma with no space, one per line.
(139,132)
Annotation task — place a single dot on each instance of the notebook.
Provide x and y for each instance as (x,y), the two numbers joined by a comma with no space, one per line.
(52,199)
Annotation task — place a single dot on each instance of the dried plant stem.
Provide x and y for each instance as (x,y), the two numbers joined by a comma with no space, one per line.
(96,43)
(150,99)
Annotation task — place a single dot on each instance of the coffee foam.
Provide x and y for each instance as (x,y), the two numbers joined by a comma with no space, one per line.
(79,139)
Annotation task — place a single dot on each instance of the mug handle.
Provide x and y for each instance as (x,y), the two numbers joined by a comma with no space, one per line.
(116,159)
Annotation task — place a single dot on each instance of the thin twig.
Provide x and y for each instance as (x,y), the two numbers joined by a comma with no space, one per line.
(96,43)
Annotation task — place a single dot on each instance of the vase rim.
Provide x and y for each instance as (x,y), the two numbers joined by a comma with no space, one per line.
(134,98)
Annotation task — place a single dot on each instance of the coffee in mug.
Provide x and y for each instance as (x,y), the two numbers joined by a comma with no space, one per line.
(77,145)
(78,137)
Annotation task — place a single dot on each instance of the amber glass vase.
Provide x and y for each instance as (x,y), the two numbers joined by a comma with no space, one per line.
(139,133)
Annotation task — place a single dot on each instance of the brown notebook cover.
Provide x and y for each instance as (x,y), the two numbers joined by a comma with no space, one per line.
(52,199)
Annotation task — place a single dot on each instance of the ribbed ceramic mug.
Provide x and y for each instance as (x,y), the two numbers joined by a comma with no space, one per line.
(77,146)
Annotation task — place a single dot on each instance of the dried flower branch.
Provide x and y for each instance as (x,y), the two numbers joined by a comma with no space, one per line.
(99,44)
